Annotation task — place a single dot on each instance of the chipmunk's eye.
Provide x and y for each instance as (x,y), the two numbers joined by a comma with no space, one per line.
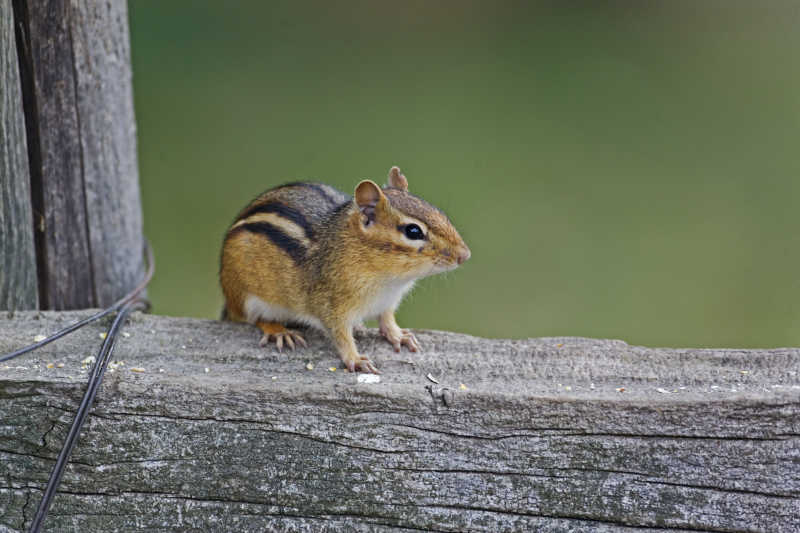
(414,232)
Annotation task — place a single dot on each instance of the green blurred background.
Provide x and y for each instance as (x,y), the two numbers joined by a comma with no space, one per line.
(619,169)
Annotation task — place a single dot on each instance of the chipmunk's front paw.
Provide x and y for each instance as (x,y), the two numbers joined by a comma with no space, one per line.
(398,337)
(361,363)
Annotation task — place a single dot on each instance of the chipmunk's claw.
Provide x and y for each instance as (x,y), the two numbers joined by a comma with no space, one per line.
(364,365)
(288,336)
(398,337)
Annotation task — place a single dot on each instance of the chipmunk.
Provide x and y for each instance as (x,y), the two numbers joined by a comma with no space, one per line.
(306,253)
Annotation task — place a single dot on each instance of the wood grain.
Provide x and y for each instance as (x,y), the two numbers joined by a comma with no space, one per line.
(65,274)
(102,56)
(77,90)
(18,284)
(214,433)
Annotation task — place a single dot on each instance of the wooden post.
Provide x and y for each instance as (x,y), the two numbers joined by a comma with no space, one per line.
(17,253)
(75,72)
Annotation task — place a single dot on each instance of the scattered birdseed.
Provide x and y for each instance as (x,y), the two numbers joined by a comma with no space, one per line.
(620,389)
(663,391)
(137,369)
(89,360)
(430,377)
(126,334)
(332,369)
(309,366)
(369,378)
(207,370)
(39,338)
(102,335)
(462,386)
(60,365)
(50,365)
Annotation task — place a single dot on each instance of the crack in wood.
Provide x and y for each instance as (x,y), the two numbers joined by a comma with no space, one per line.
(259,426)
(721,489)
(28,494)
(598,520)
(43,445)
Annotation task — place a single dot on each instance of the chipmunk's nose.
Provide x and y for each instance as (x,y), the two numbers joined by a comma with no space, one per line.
(463,255)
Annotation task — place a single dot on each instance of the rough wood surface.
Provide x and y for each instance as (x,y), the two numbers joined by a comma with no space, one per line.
(202,430)
(102,55)
(17,251)
(80,127)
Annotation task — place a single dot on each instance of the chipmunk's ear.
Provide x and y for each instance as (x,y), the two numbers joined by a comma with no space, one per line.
(397,180)
(369,198)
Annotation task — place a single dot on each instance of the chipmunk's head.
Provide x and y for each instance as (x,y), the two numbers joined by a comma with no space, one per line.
(410,236)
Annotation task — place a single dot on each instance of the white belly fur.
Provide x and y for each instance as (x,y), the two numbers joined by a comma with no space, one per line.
(387,298)
(257,309)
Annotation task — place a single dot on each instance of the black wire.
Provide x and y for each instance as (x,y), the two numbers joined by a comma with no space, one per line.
(151,266)
(103,357)
(127,304)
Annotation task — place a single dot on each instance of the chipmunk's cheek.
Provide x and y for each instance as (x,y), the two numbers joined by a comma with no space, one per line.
(439,261)
(428,251)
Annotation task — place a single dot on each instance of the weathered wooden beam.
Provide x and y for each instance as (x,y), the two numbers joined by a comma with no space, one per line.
(203,429)
(77,92)
(17,251)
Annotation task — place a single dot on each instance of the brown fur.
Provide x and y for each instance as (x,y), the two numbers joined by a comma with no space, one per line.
(356,254)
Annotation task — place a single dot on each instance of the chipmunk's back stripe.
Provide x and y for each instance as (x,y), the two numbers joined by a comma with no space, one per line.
(293,247)
(284,225)
(282,210)
(319,189)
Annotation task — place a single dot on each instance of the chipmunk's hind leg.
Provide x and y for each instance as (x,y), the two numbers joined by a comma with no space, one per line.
(280,334)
